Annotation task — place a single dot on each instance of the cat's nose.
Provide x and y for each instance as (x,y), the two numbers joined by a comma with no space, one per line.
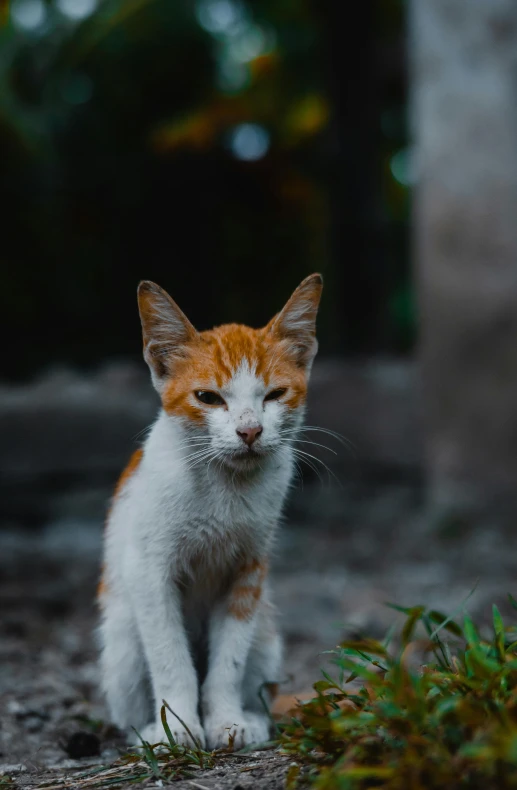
(249,434)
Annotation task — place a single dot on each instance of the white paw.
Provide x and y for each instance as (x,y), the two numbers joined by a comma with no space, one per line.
(154,733)
(239,730)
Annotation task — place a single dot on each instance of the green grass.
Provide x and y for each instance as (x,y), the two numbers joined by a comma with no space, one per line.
(448,723)
(439,712)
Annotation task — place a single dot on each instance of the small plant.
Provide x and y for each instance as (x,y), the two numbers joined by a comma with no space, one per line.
(170,760)
(449,724)
(164,761)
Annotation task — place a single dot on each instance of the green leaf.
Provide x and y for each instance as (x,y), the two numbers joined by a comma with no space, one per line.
(499,631)
(165,725)
(364,646)
(479,665)
(323,685)
(498,620)
(471,633)
(448,705)
(403,609)
(359,670)
(444,622)
(150,757)
(439,647)
(458,609)
(185,726)
(389,635)
(415,615)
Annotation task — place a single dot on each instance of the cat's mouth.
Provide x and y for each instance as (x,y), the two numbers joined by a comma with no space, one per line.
(247,453)
(245,457)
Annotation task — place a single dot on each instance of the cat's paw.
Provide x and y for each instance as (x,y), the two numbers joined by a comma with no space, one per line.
(239,730)
(154,733)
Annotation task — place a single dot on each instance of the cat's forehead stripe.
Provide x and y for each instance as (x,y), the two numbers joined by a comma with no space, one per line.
(234,345)
(224,356)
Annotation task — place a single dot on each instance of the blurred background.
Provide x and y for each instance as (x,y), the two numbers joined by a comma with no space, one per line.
(226,149)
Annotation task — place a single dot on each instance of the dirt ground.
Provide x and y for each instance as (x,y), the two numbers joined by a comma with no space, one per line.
(342,553)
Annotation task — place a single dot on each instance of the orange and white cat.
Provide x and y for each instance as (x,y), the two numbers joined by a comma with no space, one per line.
(186,609)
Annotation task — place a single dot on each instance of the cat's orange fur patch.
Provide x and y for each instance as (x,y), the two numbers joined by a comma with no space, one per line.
(272,689)
(247,590)
(212,357)
(132,466)
(102,587)
(128,472)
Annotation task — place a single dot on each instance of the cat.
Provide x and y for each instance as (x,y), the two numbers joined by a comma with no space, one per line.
(186,608)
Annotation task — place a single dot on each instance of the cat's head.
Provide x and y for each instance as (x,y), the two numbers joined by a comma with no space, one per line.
(240,391)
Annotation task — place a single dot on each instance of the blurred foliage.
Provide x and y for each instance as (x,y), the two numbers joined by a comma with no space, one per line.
(449,723)
(187,142)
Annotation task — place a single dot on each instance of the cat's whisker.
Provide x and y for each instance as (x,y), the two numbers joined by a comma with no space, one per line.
(195,449)
(199,448)
(199,455)
(199,460)
(339,437)
(195,462)
(220,462)
(316,471)
(198,451)
(306,455)
(312,466)
(218,454)
(316,444)
(193,441)
(333,433)
(299,473)
(142,432)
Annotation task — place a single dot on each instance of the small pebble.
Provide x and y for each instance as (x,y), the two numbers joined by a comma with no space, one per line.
(83,744)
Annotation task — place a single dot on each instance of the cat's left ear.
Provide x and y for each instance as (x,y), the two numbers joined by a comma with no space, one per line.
(166,330)
(296,323)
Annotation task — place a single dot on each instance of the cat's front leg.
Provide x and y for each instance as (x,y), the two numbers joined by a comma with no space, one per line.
(157,603)
(231,633)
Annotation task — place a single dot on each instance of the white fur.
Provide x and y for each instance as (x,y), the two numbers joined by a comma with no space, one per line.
(178,532)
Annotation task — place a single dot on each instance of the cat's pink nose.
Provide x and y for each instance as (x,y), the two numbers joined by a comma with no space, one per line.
(249,434)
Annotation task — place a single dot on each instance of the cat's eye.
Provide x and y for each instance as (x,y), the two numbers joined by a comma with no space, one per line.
(275,394)
(209,397)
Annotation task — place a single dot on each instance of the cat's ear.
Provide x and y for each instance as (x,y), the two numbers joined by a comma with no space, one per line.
(296,323)
(165,329)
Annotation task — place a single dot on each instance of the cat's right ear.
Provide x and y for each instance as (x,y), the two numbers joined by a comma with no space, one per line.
(165,329)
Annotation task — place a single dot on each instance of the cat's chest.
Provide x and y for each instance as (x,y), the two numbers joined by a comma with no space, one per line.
(208,560)
(206,530)
(208,547)
(217,523)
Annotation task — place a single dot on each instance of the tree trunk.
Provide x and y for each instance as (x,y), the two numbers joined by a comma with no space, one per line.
(464,113)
